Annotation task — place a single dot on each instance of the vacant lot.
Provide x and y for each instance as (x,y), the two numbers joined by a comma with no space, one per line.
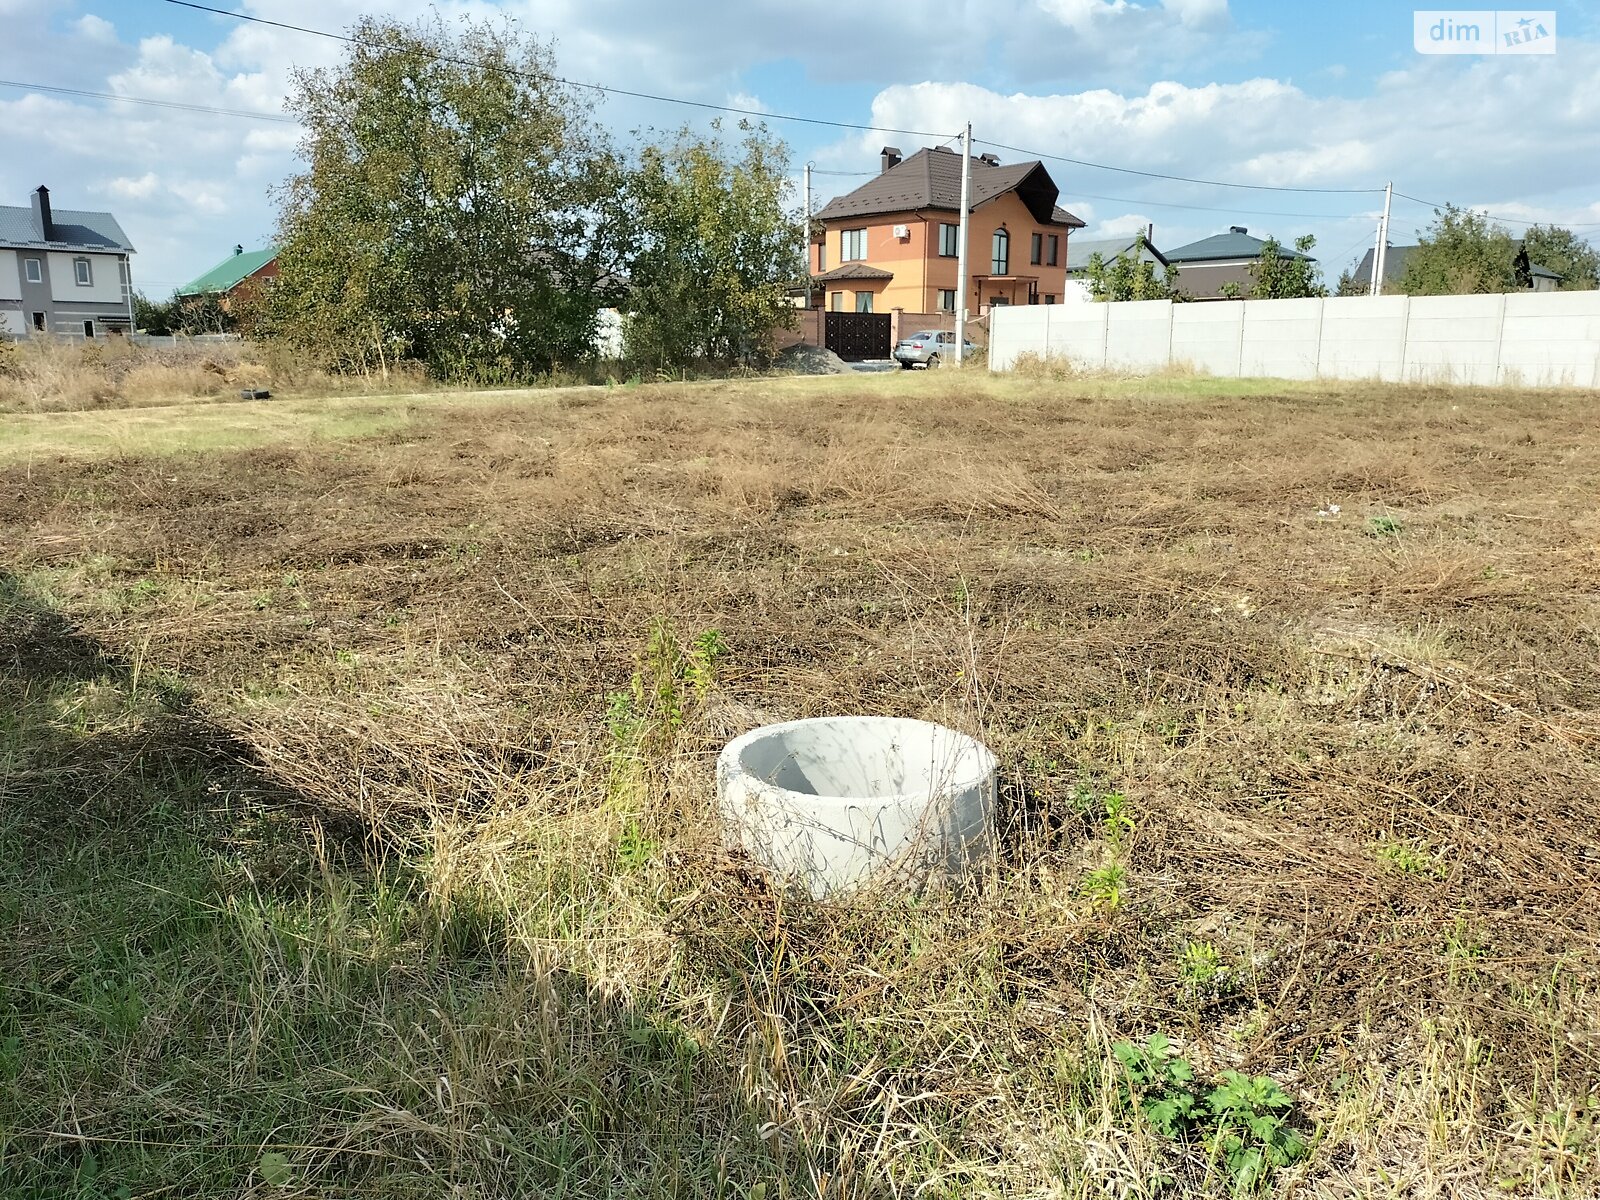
(355,793)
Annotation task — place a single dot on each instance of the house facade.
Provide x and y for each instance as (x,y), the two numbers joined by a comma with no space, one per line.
(893,242)
(1208,267)
(63,272)
(241,274)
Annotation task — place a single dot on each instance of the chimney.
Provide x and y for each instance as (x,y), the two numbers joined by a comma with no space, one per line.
(992,159)
(889,156)
(1237,229)
(41,213)
(1150,234)
(238,250)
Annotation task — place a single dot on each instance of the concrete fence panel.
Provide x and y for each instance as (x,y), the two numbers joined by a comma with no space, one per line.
(1206,337)
(1281,339)
(1532,339)
(1139,335)
(1453,339)
(1363,337)
(1018,330)
(1551,339)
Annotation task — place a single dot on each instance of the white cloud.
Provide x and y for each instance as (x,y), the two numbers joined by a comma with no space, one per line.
(141,188)
(96,29)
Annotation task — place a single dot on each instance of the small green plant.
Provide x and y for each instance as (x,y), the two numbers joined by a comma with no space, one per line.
(1200,963)
(1244,1120)
(274,1169)
(1383,526)
(1118,822)
(1410,858)
(1160,1083)
(634,850)
(1105,885)
(1252,1131)
(701,669)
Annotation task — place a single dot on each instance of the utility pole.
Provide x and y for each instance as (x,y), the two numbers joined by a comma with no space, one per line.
(1381,257)
(961,244)
(808,233)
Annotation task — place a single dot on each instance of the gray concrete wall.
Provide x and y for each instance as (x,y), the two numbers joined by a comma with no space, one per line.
(1534,339)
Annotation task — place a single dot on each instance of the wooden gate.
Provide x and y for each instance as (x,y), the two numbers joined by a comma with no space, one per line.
(855,336)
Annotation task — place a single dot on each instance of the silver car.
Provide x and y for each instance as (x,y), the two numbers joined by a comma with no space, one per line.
(929,348)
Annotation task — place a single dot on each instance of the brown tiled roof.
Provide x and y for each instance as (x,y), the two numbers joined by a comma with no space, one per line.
(853,270)
(932,179)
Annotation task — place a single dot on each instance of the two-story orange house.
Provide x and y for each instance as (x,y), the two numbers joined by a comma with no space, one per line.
(892,242)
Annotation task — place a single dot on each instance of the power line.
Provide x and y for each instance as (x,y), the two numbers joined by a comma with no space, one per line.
(1509,220)
(200,108)
(749,112)
(577,83)
(1238,212)
(1257,187)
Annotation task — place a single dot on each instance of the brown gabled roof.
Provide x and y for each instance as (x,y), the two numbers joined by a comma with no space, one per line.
(932,179)
(853,270)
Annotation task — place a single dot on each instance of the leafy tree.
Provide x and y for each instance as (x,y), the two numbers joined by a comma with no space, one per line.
(1461,253)
(153,316)
(1563,252)
(1349,285)
(1279,276)
(204,313)
(716,249)
(1129,276)
(458,206)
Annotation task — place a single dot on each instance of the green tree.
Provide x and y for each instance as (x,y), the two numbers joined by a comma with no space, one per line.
(458,205)
(1128,276)
(153,316)
(1562,251)
(1350,285)
(1461,253)
(1280,276)
(716,249)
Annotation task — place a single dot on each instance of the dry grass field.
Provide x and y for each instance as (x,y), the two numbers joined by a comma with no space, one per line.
(356,791)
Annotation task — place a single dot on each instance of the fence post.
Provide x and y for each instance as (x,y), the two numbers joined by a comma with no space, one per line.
(1499,339)
(1105,334)
(1244,315)
(1322,311)
(1405,341)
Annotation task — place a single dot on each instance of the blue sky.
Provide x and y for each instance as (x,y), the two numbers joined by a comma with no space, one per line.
(1273,94)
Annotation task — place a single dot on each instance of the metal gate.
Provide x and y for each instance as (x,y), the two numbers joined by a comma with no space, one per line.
(855,336)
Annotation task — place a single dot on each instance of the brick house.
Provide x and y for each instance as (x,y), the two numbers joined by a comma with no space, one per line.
(242,273)
(892,242)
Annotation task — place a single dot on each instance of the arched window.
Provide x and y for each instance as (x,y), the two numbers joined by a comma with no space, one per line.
(1002,253)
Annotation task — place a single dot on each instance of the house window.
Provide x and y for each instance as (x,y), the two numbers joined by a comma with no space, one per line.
(852,245)
(1000,263)
(1054,248)
(947,300)
(88,329)
(1049,299)
(38,322)
(863,301)
(822,255)
(836,301)
(949,240)
(34,271)
(80,267)
(1036,253)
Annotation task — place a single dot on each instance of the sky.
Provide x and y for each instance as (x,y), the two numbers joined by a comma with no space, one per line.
(1330,96)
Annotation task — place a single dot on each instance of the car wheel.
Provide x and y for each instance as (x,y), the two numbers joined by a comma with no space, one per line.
(933,361)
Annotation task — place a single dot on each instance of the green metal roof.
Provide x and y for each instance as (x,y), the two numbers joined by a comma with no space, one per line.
(229,272)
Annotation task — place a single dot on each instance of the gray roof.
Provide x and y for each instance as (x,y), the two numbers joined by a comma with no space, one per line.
(932,179)
(1394,266)
(1080,252)
(1226,247)
(72,230)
